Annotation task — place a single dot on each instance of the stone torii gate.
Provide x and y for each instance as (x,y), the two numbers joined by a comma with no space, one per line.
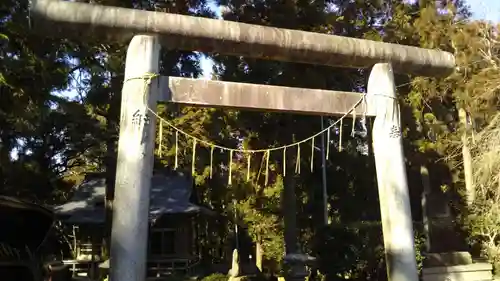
(148,30)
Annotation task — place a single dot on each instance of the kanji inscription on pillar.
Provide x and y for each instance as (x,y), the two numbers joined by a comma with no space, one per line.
(139,118)
(395,132)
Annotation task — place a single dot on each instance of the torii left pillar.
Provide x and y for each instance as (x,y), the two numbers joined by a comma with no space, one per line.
(129,235)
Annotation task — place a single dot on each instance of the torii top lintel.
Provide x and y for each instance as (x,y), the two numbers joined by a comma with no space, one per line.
(70,19)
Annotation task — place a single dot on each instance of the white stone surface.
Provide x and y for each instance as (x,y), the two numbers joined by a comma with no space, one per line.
(394,197)
(470,272)
(129,235)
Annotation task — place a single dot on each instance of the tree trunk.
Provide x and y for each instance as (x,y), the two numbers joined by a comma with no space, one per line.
(112,119)
(289,209)
(467,158)
(369,136)
(110,177)
(426,184)
(110,164)
(259,253)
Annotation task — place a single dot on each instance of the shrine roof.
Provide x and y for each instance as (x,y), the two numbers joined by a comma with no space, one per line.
(169,195)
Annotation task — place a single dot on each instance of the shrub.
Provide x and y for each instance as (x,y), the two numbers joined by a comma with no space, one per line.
(355,252)
(215,277)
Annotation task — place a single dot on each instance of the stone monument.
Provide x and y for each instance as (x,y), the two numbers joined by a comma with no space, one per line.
(446,255)
(235,265)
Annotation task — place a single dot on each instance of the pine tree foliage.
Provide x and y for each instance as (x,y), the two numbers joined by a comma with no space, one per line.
(58,140)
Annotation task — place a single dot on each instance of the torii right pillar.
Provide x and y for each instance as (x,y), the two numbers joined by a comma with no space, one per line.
(393,192)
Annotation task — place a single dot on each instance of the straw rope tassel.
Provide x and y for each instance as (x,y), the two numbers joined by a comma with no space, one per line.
(193,159)
(267,167)
(284,162)
(353,129)
(312,154)
(148,77)
(176,162)
(210,144)
(340,135)
(160,138)
(229,180)
(249,158)
(297,163)
(327,144)
(211,159)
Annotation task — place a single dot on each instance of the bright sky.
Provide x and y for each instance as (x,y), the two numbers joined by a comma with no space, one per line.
(207,64)
(485,9)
